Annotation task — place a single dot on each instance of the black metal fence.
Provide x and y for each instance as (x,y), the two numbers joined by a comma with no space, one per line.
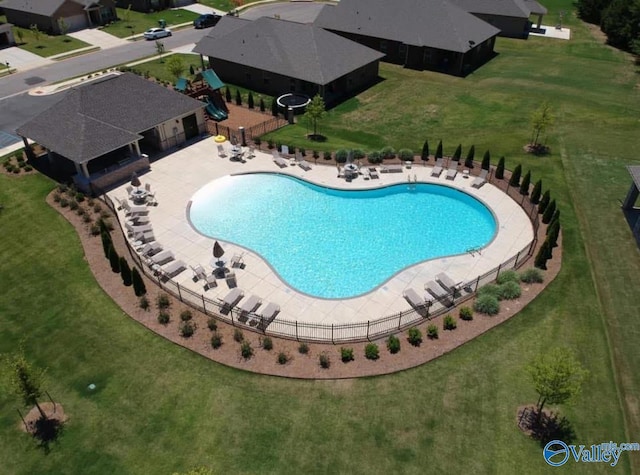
(346,332)
(269,125)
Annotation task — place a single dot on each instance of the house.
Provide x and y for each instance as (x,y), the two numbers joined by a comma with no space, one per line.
(103,131)
(510,16)
(418,34)
(275,57)
(56,16)
(151,5)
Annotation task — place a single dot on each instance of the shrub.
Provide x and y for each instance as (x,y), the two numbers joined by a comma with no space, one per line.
(262,106)
(424,155)
(468,162)
(163,301)
(432,332)
(257,141)
(374,157)
(28,168)
(73,205)
(245,350)
(388,153)
(414,336)
(393,344)
(371,351)
(341,155)
(458,153)
(532,276)
(315,154)
(114,260)
(346,354)
(79,197)
(270,144)
(274,107)
(510,290)
(16,170)
(449,323)
(405,155)
(56,197)
(553,233)
(95,229)
(283,358)
(544,202)
(487,304)
(238,98)
(524,186)
(326,155)
(267,343)
(543,255)
(187,329)
(486,161)
(81,212)
(216,340)
(303,348)
(278,146)
(324,359)
(86,218)
(466,313)
(548,212)
(186,315)
(125,272)
(227,94)
(97,208)
(237,335)
(64,203)
(515,176)
(358,154)
(138,284)
(144,303)
(163,317)
(507,276)
(62,187)
(250,103)
(212,324)
(490,289)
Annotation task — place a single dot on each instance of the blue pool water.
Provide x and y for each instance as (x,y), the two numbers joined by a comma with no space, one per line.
(338,244)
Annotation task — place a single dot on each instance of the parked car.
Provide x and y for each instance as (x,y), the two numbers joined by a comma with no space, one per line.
(155,33)
(207,20)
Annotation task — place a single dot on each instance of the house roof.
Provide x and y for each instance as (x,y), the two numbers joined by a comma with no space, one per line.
(105,115)
(39,7)
(432,23)
(535,7)
(510,8)
(301,51)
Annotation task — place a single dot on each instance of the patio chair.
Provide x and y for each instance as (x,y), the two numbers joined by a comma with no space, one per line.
(267,314)
(250,305)
(140,239)
(137,219)
(149,249)
(129,189)
(447,282)
(231,299)
(198,273)
(452,171)
(279,160)
(480,179)
(210,282)
(236,260)
(304,165)
(147,187)
(413,298)
(436,291)
(133,229)
(133,210)
(221,151)
(252,152)
(373,173)
(231,280)
(437,169)
(172,269)
(162,258)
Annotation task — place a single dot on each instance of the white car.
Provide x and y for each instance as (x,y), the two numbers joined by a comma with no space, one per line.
(155,33)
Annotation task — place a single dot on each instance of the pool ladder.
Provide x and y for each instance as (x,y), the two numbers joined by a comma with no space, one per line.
(412,184)
(474,250)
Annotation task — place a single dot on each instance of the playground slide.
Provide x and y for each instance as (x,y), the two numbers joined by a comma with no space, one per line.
(214,112)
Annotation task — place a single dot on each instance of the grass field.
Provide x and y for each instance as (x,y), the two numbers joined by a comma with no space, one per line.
(132,23)
(159,409)
(45,45)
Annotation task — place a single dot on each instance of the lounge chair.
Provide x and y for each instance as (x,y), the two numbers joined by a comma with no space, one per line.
(278,159)
(231,299)
(236,260)
(137,219)
(129,189)
(250,305)
(149,249)
(480,179)
(221,151)
(251,153)
(366,174)
(210,282)
(231,280)
(447,282)
(391,169)
(437,169)
(132,230)
(172,269)
(373,173)
(198,272)
(452,171)
(133,210)
(140,239)
(162,258)
(413,298)
(436,291)
(268,313)
(304,165)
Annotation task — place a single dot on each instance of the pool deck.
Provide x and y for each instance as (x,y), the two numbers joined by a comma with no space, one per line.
(176,177)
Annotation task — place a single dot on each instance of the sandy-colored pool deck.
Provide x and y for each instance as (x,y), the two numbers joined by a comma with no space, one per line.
(176,177)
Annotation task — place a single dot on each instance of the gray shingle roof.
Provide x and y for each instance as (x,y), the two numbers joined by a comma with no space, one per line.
(104,115)
(433,23)
(535,7)
(37,7)
(296,50)
(510,8)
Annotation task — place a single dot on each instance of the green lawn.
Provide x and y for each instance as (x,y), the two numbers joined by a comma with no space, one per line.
(133,23)
(45,45)
(223,5)
(160,409)
(157,68)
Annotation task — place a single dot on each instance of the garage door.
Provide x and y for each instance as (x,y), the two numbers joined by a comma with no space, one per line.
(76,22)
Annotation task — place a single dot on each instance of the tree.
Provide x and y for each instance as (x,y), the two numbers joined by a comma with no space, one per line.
(458,153)
(250,103)
(160,50)
(274,107)
(554,218)
(557,377)
(26,381)
(138,284)
(20,35)
(535,193)
(548,212)
(515,176)
(524,186)
(486,161)
(541,119)
(262,107)
(500,169)
(238,97)
(468,162)
(543,255)
(63,26)
(439,150)
(621,23)
(36,31)
(106,242)
(227,94)
(591,10)
(175,66)
(192,69)
(125,271)
(315,112)
(425,151)
(544,202)
(114,260)
(553,231)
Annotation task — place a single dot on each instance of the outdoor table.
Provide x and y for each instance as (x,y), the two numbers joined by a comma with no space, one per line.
(139,196)
(465,173)
(350,169)
(218,267)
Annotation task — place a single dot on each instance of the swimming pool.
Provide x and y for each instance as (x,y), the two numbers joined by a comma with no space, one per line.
(338,244)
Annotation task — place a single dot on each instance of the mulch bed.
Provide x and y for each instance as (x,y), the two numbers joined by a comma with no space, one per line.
(298,366)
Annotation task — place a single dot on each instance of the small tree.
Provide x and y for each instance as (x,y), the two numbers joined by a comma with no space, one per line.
(515,176)
(63,26)
(425,151)
(250,103)
(138,284)
(262,107)
(125,272)
(439,150)
(36,31)
(114,260)
(548,212)
(238,97)
(557,377)
(26,381)
(524,186)
(554,218)
(553,232)
(20,36)
(500,169)
(175,66)
(544,202)
(468,162)
(541,118)
(486,161)
(160,50)
(274,107)
(315,112)
(227,94)
(543,255)
(458,153)
(192,70)
(535,193)
(106,242)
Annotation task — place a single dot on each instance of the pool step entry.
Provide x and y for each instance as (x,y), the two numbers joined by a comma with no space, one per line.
(474,250)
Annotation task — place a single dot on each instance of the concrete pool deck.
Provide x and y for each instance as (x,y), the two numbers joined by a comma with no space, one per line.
(176,177)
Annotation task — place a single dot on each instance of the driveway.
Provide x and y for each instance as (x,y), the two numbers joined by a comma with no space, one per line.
(20,59)
(96,37)
(200,9)
(300,12)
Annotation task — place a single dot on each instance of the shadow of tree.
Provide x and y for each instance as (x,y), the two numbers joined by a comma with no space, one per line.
(47,431)
(547,426)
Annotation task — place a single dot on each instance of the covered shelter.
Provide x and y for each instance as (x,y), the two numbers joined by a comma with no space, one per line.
(102,132)
(629,208)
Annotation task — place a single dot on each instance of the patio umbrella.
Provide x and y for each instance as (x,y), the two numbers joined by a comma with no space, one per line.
(218,252)
(135,181)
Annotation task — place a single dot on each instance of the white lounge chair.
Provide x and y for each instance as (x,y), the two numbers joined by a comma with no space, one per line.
(268,313)
(133,229)
(447,282)
(437,169)
(278,159)
(373,173)
(480,179)
(250,305)
(236,260)
(413,298)
(162,257)
(437,291)
(231,280)
(231,299)
(210,282)
(221,152)
(306,166)
(172,269)
(133,210)
(140,239)
(452,171)
(149,249)
(199,272)
(138,219)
